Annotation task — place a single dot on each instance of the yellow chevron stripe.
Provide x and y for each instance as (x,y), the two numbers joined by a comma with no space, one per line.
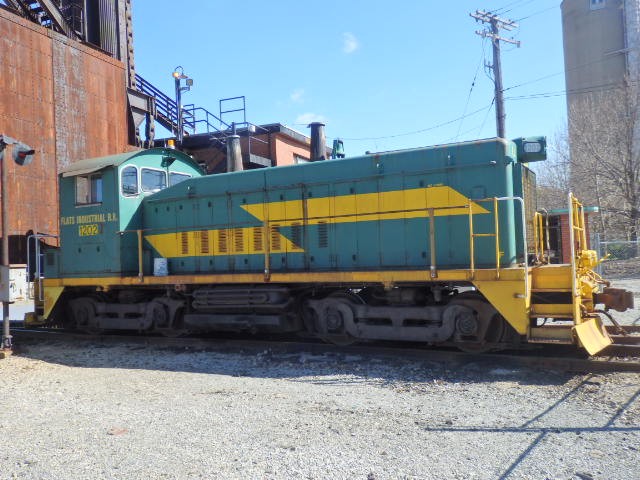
(367,207)
(364,207)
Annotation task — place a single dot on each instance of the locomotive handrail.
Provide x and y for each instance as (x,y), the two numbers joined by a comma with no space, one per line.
(37,274)
(523,218)
(472,235)
(576,216)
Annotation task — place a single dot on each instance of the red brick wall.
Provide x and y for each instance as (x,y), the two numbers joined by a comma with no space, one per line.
(566,239)
(286,147)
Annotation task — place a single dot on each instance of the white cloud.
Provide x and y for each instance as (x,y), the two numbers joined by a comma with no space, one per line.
(349,43)
(309,117)
(297,95)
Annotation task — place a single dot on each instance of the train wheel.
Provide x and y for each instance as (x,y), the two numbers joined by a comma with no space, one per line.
(492,339)
(330,326)
(479,327)
(84,313)
(163,323)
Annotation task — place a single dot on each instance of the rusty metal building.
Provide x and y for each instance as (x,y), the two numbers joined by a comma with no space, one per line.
(63,91)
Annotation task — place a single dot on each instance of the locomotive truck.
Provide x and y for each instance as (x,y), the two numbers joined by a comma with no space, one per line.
(440,245)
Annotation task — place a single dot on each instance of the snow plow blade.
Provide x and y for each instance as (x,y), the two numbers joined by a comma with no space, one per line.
(593,336)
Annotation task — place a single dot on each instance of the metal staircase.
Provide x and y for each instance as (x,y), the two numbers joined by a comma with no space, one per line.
(194,119)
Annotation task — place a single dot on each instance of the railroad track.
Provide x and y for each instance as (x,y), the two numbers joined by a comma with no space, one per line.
(617,358)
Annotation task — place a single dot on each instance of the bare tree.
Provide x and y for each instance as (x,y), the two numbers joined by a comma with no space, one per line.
(605,160)
(553,176)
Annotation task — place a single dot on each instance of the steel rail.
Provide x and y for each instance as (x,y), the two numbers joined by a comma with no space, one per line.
(559,359)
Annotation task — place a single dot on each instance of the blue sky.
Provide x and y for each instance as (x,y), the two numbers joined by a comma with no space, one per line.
(382,75)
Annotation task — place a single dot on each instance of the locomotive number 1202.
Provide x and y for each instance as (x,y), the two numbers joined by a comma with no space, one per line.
(88,230)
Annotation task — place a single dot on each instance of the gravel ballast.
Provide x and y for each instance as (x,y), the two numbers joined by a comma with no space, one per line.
(79,411)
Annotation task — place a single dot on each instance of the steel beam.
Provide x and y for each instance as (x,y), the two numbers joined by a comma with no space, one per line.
(23,7)
(60,24)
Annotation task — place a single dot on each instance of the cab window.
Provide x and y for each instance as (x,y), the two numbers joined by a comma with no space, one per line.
(175,178)
(88,189)
(153,180)
(129,181)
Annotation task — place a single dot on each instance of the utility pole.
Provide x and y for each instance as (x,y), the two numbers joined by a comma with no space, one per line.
(493,32)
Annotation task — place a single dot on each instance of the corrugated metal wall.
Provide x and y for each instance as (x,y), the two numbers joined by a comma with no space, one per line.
(64,99)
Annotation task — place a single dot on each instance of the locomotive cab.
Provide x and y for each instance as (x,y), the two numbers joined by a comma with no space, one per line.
(100,212)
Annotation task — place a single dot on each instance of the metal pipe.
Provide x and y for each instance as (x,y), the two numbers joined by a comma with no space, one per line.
(6,332)
(471,241)
(140,266)
(234,154)
(497,228)
(179,134)
(432,242)
(318,142)
(266,236)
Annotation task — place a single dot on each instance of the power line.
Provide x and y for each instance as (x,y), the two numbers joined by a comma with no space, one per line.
(562,72)
(418,131)
(503,9)
(473,83)
(593,89)
(486,116)
(517,6)
(536,13)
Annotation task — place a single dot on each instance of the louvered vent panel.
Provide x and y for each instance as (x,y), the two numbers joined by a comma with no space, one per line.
(204,242)
(257,239)
(238,239)
(276,244)
(184,243)
(323,236)
(222,241)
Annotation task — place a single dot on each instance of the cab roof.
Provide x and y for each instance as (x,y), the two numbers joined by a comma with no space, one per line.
(90,165)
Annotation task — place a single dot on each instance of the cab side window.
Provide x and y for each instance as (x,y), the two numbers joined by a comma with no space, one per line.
(175,178)
(88,189)
(129,181)
(153,180)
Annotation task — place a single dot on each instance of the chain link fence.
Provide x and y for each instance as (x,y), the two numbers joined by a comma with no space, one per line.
(622,257)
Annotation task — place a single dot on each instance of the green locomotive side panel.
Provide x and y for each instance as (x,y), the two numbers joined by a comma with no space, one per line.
(360,213)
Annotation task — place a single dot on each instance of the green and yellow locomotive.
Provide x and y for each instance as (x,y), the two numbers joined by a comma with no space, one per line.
(440,245)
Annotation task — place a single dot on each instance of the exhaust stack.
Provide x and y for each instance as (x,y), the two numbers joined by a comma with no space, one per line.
(234,154)
(318,142)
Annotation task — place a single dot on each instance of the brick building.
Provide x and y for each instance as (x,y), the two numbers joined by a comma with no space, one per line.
(560,233)
(262,146)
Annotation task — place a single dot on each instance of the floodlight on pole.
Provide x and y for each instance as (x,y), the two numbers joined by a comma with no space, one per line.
(22,155)
(179,75)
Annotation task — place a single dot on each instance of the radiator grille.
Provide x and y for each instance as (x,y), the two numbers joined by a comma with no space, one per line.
(238,240)
(184,243)
(222,241)
(204,242)
(276,243)
(257,239)
(323,236)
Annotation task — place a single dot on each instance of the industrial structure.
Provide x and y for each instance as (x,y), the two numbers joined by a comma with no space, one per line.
(602,71)
(70,89)
(601,44)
